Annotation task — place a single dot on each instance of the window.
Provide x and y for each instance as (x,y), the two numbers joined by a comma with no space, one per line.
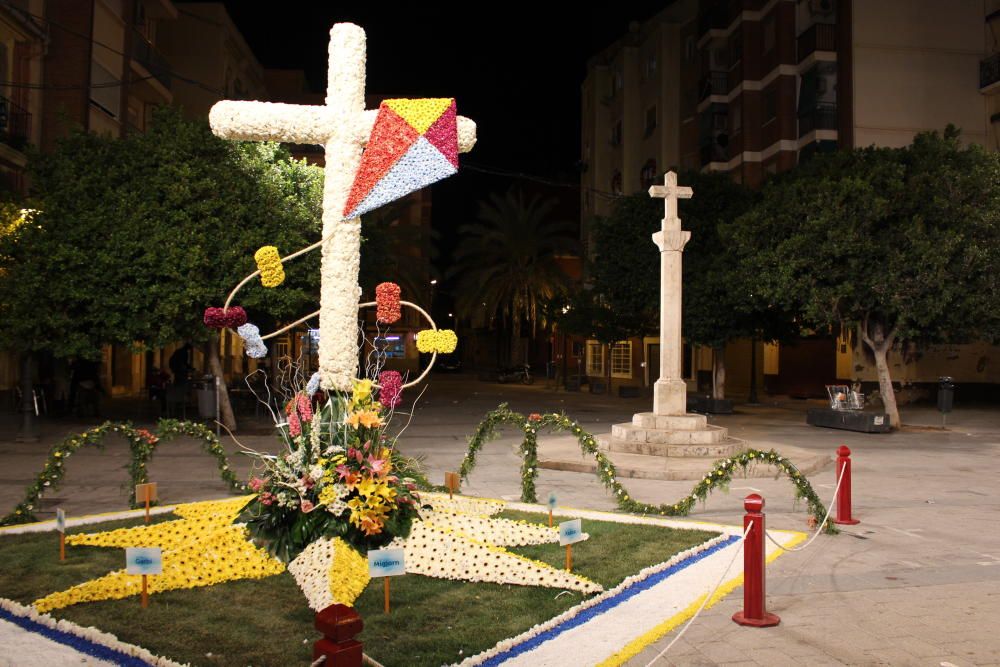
(621,359)
(650,125)
(736,115)
(769,28)
(735,48)
(648,174)
(649,66)
(392,346)
(616,134)
(105,93)
(595,358)
(616,183)
(770,105)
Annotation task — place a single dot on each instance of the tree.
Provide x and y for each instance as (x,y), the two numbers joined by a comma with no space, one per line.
(505,262)
(900,243)
(136,236)
(719,304)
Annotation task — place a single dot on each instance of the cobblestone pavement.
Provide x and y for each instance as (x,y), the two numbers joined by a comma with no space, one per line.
(917,582)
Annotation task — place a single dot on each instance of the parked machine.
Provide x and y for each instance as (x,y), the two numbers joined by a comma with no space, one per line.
(520,373)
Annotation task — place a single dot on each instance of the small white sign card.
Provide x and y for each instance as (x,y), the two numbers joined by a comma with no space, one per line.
(571,532)
(143,560)
(60,520)
(386,563)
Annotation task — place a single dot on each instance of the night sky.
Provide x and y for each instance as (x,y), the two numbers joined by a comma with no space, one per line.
(514,68)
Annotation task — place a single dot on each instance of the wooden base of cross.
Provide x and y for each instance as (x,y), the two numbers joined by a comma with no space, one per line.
(338,624)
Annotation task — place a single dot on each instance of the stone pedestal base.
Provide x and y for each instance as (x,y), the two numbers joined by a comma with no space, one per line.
(672,435)
(670,397)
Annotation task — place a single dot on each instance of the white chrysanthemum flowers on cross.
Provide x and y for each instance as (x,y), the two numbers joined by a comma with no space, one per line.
(342,126)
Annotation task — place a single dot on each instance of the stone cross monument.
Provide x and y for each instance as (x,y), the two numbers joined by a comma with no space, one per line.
(670,390)
(342,126)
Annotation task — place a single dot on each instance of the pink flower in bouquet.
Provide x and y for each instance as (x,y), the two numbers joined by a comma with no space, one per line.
(294,425)
(390,392)
(534,417)
(307,482)
(304,406)
(307,506)
(256,484)
(266,498)
(377,465)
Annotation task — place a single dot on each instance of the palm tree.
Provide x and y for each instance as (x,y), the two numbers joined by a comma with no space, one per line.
(505,261)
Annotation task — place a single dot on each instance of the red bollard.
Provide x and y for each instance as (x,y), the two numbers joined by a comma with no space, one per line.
(339,624)
(844,492)
(754,612)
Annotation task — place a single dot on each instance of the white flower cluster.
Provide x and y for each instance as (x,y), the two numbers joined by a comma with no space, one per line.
(463,504)
(446,554)
(498,532)
(90,634)
(330,572)
(531,633)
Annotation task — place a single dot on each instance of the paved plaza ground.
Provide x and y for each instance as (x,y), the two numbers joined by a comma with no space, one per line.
(917,582)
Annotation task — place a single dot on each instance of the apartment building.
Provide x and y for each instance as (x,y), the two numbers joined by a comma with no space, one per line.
(22,42)
(751,88)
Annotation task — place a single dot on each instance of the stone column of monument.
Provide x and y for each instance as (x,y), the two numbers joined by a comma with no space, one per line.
(669,430)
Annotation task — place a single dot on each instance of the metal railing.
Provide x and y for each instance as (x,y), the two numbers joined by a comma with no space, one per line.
(818,37)
(146,55)
(15,124)
(989,71)
(714,83)
(820,118)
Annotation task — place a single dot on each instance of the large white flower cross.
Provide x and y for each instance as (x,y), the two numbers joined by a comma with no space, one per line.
(342,126)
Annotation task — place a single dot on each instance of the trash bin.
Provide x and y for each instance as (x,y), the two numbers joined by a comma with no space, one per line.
(207,398)
(946,394)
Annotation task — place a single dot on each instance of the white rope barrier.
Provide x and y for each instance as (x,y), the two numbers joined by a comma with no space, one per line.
(819,529)
(318,661)
(368,660)
(708,597)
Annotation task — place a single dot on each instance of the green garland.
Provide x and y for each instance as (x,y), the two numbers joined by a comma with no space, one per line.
(142,444)
(718,478)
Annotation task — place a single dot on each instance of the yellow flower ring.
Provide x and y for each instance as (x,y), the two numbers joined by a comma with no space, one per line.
(269,264)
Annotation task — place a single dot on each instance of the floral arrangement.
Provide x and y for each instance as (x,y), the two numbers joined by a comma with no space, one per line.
(442,341)
(142,445)
(338,476)
(387,308)
(202,548)
(220,318)
(330,572)
(268,261)
(718,478)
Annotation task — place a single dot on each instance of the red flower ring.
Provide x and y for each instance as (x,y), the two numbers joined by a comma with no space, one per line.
(390,392)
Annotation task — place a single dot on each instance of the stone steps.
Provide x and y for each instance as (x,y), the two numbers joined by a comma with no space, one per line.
(714,442)
(630,433)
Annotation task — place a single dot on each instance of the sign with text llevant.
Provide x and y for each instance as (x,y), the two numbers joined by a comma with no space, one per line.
(386,563)
(571,532)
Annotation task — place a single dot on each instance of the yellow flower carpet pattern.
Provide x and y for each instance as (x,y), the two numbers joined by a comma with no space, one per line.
(202,548)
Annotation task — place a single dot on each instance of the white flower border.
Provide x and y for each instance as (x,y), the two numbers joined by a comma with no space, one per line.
(509,643)
(90,634)
(50,524)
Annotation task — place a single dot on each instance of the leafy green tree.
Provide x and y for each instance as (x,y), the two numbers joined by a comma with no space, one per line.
(136,236)
(505,259)
(900,243)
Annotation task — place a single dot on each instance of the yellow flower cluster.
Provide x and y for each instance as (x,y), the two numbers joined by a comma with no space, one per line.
(369,509)
(269,262)
(420,113)
(348,573)
(366,418)
(442,341)
(202,549)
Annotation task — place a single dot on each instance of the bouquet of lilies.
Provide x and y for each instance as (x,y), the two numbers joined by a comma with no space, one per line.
(339,475)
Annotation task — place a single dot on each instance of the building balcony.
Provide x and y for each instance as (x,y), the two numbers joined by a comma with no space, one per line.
(154,62)
(713,83)
(15,124)
(712,152)
(820,118)
(818,37)
(989,74)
